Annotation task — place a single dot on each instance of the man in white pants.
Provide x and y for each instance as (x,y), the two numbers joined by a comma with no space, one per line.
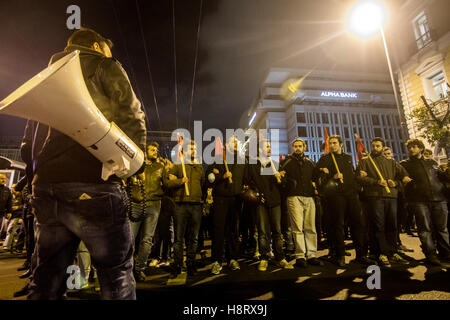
(300,203)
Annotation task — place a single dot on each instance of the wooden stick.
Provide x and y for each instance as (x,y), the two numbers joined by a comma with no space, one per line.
(274,170)
(226,168)
(376,168)
(378,172)
(186,187)
(335,164)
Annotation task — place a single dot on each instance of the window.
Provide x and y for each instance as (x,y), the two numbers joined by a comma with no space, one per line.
(301,118)
(375,120)
(439,86)
(344,118)
(421,30)
(346,135)
(318,117)
(377,132)
(325,118)
(302,132)
(338,131)
(349,148)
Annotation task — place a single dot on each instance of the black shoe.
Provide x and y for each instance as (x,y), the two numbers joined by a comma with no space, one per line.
(191,270)
(365,261)
(175,272)
(25,266)
(140,276)
(26,274)
(315,262)
(301,263)
(22,292)
(433,260)
(339,261)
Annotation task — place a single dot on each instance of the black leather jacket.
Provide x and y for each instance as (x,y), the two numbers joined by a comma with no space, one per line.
(156,178)
(63,159)
(427,180)
(5,200)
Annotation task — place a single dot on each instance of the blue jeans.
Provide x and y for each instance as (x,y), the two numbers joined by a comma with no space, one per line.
(384,223)
(269,226)
(431,219)
(187,218)
(148,227)
(94,213)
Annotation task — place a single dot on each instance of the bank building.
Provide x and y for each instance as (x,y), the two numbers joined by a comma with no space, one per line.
(343,103)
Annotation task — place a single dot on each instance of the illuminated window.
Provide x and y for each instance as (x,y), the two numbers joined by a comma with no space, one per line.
(421,30)
(438,84)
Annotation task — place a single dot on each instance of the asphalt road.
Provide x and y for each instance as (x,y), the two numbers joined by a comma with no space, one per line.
(417,281)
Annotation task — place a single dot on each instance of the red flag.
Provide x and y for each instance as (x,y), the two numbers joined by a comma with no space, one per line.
(359,148)
(220,149)
(326,136)
(180,147)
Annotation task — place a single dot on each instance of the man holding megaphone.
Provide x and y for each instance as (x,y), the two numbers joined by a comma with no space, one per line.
(74,198)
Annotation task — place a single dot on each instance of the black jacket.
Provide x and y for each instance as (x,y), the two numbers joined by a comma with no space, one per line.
(194,173)
(222,187)
(426,184)
(345,164)
(156,179)
(5,200)
(299,176)
(266,184)
(63,159)
(389,169)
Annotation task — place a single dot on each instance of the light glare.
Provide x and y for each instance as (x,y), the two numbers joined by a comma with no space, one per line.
(366,18)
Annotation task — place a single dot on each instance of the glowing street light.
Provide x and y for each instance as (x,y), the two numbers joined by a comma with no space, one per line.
(366,19)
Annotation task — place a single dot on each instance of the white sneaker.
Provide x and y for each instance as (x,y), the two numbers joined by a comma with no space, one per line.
(285,265)
(263,265)
(234,265)
(216,268)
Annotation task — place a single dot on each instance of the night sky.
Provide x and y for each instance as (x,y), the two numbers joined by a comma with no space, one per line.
(239,41)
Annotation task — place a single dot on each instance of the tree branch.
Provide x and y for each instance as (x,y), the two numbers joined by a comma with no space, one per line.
(431,111)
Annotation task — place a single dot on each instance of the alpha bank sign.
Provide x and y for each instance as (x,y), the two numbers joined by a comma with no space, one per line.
(339,94)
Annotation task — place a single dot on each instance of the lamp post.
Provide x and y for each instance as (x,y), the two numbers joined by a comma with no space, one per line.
(367,18)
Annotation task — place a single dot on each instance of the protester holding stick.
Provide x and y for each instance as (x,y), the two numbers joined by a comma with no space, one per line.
(343,198)
(376,173)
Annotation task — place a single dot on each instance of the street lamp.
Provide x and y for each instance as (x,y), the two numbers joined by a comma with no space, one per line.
(367,18)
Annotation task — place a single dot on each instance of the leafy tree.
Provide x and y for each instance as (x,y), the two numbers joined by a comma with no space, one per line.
(434,119)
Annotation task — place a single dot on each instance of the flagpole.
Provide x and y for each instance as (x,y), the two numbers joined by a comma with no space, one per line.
(180,152)
(376,168)
(186,187)
(274,170)
(337,168)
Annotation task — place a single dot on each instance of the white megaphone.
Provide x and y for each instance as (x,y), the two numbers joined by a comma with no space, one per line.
(59,98)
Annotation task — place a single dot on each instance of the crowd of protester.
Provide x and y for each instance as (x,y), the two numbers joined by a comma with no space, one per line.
(64,213)
(279,216)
